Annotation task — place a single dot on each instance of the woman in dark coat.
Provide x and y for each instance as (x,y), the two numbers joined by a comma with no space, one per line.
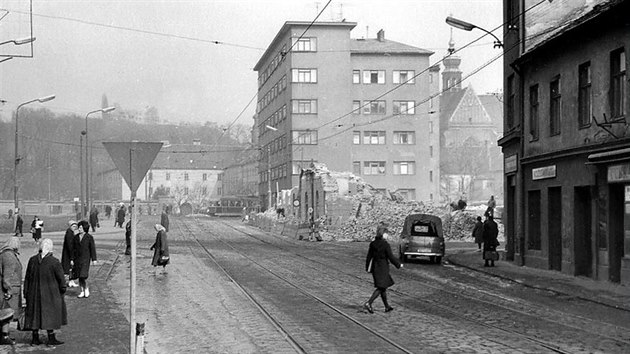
(11,276)
(86,254)
(160,248)
(477,232)
(164,219)
(94,219)
(44,286)
(490,241)
(120,216)
(377,262)
(68,253)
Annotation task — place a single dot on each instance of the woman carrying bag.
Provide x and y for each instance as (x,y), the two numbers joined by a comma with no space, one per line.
(161,256)
(377,262)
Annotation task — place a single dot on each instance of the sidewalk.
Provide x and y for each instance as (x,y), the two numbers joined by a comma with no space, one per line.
(95,324)
(601,292)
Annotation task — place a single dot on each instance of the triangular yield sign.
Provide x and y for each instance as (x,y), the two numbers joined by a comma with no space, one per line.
(133,159)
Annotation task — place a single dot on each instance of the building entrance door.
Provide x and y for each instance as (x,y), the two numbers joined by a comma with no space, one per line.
(582,231)
(510,220)
(555,228)
(616,220)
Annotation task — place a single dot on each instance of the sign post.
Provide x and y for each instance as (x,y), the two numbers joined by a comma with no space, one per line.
(133,160)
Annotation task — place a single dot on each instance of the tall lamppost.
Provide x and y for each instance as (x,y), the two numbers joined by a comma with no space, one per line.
(17,159)
(466,26)
(87,156)
(82,196)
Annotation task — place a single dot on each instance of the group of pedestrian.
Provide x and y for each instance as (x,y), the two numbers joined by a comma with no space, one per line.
(79,251)
(486,233)
(42,306)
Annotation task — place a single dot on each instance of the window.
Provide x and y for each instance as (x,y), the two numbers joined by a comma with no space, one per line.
(204,177)
(373,107)
(304,75)
(185,190)
(305,137)
(304,44)
(374,167)
(408,194)
(430,150)
(356,107)
(404,138)
(584,94)
(404,107)
(304,106)
(356,137)
(220,177)
(511,98)
(404,76)
(356,167)
(168,176)
(150,176)
(150,192)
(533,220)
(512,13)
(430,127)
(618,83)
(297,166)
(533,111)
(374,137)
(404,168)
(356,76)
(185,176)
(373,76)
(430,176)
(554,106)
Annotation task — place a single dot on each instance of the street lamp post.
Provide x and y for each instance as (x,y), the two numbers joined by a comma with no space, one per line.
(16,157)
(467,26)
(87,156)
(81,197)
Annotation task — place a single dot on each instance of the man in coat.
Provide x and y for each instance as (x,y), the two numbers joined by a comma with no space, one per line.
(490,241)
(164,219)
(477,232)
(377,262)
(120,216)
(94,218)
(44,287)
(19,222)
(86,255)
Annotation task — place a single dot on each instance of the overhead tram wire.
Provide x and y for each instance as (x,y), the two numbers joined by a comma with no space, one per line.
(475,71)
(425,70)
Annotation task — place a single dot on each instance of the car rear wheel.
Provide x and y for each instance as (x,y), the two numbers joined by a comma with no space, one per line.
(438,259)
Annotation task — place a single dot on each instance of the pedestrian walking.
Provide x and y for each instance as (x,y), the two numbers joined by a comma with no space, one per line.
(86,255)
(377,262)
(120,216)
(69,252)
(490,241)
(11,276)
(44,287)
(491,205)
(37,226)
(94,218)
(108,211)
(128,238)
(477,232)
(19,222)
(161,256)
(164,219)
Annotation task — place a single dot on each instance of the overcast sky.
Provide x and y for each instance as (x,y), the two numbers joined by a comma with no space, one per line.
(87,48)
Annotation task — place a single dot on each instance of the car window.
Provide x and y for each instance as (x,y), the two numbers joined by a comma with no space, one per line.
(422,229)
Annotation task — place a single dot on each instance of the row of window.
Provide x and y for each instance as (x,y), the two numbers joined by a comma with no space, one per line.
(167,176)
(379,168)
(368,137)
(273,120)
(617,97)
(378,77)
(271,67)
(273,92)
(379,107)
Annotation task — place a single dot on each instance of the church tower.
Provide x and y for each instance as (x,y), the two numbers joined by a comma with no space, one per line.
(451,76)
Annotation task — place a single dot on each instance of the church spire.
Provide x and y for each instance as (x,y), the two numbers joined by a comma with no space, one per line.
(451,76)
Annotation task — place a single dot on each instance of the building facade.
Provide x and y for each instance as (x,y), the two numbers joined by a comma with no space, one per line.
(358,105)
(567,142)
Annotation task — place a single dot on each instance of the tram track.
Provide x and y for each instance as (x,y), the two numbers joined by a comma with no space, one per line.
(433,303)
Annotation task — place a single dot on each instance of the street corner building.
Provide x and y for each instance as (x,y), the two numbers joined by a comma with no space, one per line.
(566,141)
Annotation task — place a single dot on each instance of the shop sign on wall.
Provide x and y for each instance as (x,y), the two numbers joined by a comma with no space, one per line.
(509,164)
(619,173)
(544,172)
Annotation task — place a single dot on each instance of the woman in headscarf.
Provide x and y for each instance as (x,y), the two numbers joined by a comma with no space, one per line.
(161,257)
(85,256)
(11,275)
(44,286)
(69,252)
(377,262)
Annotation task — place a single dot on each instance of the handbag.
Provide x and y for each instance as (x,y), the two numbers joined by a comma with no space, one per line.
(6,312)
(491,255)
(20,320)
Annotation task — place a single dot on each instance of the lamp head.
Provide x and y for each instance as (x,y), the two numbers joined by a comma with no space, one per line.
(271,128)
(463,25)
(24,40)
(108,109)
(46,99)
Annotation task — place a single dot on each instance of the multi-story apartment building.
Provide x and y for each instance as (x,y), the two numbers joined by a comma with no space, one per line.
(359,105)
(566,144)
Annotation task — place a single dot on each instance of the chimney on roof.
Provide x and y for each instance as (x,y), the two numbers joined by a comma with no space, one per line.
(380,35)
(196,141)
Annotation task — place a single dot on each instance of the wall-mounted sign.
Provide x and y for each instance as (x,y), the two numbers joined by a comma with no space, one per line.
(619,173)
(509,164)
(544,172)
